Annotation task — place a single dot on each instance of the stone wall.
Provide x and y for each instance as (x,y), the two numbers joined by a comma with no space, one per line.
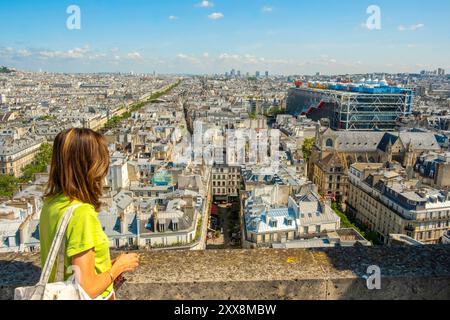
(407,273)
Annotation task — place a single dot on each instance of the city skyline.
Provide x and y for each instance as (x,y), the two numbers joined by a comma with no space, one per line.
(206,37)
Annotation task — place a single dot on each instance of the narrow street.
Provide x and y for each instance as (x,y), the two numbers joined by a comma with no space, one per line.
(228,225)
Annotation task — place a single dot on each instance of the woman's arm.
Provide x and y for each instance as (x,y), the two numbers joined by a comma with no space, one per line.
(95,284)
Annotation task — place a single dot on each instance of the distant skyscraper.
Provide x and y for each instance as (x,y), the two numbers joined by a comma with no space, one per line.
(233,73)
(441,72)
(267,74)
(258,74)
(239,73)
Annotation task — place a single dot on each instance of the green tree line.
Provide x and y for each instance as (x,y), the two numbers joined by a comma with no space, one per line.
(9,184)
(347,223)
(114,121)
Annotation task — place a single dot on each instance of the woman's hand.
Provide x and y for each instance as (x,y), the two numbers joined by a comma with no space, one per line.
(125,263)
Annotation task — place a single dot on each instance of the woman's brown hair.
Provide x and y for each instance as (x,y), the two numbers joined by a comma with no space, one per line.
(80,163)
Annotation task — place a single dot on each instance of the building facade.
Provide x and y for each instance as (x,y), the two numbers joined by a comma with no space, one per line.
(387,202)
(335,151)
(226,182)
(354,107)
(16,154)
(273,218)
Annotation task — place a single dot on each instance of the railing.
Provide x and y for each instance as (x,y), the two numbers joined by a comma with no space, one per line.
(408,272)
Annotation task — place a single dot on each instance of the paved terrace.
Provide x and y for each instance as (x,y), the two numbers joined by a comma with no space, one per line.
(407,273)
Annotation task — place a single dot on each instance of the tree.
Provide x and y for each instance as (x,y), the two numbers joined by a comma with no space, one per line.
(347,223)
(39,164)
(273,112)
(5,70)
(307,147)
(8,184)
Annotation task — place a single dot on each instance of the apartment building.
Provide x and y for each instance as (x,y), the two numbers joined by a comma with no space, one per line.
(434,169)
(272,216)
(226,182)
(335,151)
(387,202)
(16,154)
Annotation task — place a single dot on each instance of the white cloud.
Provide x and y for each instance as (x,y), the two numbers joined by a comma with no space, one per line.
(173,18)
(188,58)
(413,27)
(205,4)
(216,16)
(76,53)
(134,56)
(98,56)
(24,53)
(267,9)
(226,56)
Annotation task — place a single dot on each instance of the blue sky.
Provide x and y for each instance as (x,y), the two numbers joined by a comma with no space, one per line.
(195,36)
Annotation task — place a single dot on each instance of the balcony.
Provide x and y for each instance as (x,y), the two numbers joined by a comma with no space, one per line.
(327,274)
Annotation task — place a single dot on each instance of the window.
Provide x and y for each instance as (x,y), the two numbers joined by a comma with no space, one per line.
(305,230)
(117,243)
(130,241)
(318,229)
(329,143)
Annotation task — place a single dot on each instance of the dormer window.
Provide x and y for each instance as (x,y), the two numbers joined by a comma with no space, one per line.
(329,143)
(273,223)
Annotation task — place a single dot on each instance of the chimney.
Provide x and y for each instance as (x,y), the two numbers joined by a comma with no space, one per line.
(123,223)
(155,219)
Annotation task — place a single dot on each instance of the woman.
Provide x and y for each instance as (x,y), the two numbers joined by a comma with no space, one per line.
(79,167)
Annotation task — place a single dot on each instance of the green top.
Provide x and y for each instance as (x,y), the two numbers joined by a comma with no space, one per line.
(84,232)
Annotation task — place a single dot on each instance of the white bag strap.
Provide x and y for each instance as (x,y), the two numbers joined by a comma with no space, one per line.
(56,247)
